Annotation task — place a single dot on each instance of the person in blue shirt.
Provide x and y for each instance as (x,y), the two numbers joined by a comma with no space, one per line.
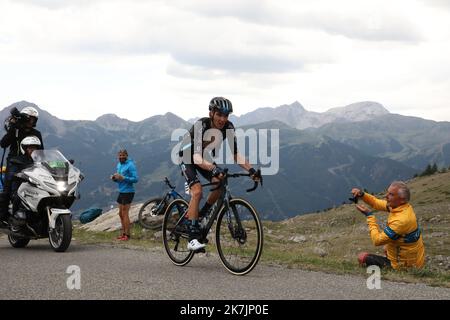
(125,177)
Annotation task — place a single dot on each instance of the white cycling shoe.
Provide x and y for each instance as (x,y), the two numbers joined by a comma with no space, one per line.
(195,245)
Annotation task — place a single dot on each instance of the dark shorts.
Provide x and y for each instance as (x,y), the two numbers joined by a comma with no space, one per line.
(125,198)
(189,172)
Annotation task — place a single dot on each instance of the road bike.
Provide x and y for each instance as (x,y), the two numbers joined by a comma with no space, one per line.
(151,213)
(239,231)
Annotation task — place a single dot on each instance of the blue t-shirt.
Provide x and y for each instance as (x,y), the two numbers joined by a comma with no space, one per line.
(129,172)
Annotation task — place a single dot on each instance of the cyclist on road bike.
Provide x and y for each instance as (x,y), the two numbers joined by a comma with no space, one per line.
(200,141)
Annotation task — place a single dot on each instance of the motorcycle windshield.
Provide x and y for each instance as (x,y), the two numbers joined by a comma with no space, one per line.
(53,160)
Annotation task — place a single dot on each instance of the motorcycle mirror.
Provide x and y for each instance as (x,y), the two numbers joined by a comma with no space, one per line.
(21,176)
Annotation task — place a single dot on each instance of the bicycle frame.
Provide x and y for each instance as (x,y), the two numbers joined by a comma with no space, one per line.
(223,201)
(171,194)
(238,229)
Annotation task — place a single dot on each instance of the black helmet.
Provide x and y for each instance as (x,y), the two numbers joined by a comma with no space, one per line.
(221,104)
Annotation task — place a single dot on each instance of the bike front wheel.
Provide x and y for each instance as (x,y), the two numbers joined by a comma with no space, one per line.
(239,237)
(151,214)
(175,233)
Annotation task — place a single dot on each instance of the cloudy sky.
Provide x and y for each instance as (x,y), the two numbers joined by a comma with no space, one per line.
(79,59)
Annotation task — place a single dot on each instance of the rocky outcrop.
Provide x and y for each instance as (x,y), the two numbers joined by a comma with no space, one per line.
(110,221)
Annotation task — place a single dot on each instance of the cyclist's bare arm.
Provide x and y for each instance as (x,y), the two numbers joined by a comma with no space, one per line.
(242,161)
(202,163)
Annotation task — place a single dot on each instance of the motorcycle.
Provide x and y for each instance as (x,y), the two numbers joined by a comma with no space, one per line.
(49,188)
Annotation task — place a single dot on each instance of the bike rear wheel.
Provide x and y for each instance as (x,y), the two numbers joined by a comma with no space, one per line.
(149,218)
(175,233)
(239,237)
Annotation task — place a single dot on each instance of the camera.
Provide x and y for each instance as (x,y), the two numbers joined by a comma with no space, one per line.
(15,120)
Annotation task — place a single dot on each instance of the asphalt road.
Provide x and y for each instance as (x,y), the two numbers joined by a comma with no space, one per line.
(36,272)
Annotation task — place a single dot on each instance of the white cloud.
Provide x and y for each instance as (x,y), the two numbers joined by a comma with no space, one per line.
(353,19)
(138,58)
(110,28)
(438,3)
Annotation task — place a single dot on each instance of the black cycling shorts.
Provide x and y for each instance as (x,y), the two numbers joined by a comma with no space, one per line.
(125,198)
(189,172)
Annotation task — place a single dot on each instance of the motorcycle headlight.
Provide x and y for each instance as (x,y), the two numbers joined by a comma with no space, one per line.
(61,186)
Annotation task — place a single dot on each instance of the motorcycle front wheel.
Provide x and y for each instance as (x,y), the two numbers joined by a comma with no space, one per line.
(61,236)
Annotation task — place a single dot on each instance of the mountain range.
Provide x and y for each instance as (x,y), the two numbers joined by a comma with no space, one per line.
(322,155)
(296,116)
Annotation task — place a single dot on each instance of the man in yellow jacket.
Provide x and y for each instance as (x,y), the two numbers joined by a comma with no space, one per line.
(402,236)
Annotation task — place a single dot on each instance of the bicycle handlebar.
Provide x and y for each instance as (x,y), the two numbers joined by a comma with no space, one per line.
(166,180)
(236,175)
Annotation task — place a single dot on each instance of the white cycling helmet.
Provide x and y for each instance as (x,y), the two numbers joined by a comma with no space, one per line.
(30,111)
(29,141)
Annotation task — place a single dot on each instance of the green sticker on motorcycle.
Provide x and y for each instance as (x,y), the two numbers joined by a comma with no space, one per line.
(56,164)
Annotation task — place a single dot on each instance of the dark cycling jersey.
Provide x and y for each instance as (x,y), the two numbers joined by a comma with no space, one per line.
(13,138)
(194,141)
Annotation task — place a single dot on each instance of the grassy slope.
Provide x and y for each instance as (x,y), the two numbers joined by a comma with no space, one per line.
(330,241)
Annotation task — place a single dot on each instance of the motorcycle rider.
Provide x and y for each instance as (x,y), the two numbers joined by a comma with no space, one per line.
(19,126)
(193,162)
(17,164)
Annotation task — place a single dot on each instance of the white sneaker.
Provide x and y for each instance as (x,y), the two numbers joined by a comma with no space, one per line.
(195,245)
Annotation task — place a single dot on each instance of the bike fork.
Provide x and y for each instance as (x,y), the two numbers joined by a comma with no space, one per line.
(237,231)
